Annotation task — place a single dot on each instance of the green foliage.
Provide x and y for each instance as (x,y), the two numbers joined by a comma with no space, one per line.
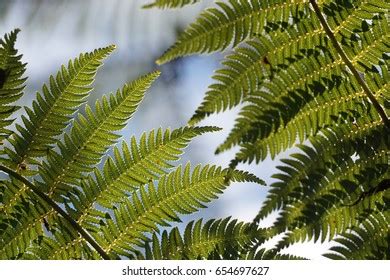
(214,239)
(369,240)
(319,86)
(57,202)
(305,75)
(11,81)
(53,108)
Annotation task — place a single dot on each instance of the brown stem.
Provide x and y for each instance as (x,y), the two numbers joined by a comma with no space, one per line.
(344,57)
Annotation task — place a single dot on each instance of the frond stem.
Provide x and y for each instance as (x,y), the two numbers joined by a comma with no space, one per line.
(57,208)
(344,57)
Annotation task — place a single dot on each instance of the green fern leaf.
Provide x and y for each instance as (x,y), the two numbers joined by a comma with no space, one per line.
(156,205)
(90,138)
(274,119)
(11,81)
(315,200)
(243,71)
(135,165)
(53,108)
(204,240)
(68,208)
(139,163)
(369,240)
(284,115)
(322,84)
(88,141)
(250,65)
(314,160)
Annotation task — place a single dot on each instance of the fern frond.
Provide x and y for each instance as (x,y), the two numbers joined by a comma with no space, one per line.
(164,4)
(204,240)
(362,27)
(369,240)
(90,137)
(271,124)
(73,211)
(250,65)
(11,81)
(84,147)
(315,201)
(263,254)
(321,79)
(318,114)
(374,44)
(15,237)
(242,73)
(230,23)
(135,165)
(123,228)
(54,107)
(152,206)
(314,160)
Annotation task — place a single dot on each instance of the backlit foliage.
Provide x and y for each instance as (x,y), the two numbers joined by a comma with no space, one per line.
(74,189)
(295,89)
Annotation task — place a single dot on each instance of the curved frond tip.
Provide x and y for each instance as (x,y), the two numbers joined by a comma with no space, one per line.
(12,81)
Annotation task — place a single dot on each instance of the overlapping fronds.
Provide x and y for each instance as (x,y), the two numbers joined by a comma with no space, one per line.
(156,205)
(319,160)
(264,254)
(91,136)
(306,89)
(84,147)
(53,108)
(137,164)
(369,240)
(242,74)
(213,239)
(321,198)
(11,81)
(163,4)
(123,225)
(70,208)
(313,76)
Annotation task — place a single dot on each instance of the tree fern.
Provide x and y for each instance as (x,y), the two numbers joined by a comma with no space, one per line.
(313,76)
(56,203)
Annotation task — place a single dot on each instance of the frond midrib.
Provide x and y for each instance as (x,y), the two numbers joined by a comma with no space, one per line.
(90,139)
(172,197)
(50,110)
(129,169)
(295,212)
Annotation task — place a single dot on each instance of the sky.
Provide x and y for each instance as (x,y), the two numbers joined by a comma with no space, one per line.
(55,31)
